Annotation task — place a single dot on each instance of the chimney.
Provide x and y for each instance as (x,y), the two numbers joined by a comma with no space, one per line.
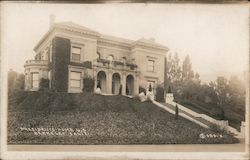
(152,39)
(52,18)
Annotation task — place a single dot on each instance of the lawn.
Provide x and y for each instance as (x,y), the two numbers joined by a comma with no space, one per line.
(104,120)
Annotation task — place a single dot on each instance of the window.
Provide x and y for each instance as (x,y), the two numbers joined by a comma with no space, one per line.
(76,54)
(75,79)
(35,80)
(151,64)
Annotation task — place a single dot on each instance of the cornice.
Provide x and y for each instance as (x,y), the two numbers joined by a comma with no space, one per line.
(107,43)
(147,45)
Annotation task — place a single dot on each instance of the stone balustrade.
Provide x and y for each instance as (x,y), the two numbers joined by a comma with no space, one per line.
(116,64)
(36,62)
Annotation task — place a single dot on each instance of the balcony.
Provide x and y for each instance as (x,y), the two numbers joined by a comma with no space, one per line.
(115,64)
(36,63)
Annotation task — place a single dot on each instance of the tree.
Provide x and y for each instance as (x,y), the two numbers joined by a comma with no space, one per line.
(222,90)
(150,88)
(236,90)
(187,71)
(173,68)
(12,76)
(20,82)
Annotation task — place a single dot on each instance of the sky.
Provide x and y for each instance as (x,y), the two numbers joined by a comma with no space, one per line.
(215,36)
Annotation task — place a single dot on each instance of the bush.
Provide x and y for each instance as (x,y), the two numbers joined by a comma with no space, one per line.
(160,94)
(141,89)
(19,84)
(87,64)
(88,84)
(44,84)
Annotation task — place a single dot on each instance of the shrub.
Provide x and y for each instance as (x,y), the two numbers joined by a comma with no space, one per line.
(160,94)
(150,88)
(141,89)
(169,89)
(88,84)
(87,64)
(217,129)
(44,84)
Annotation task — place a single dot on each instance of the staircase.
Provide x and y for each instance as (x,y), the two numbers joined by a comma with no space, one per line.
(200,119)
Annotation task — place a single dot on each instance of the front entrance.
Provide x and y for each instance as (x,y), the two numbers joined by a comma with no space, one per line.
(130,85)
(101,81)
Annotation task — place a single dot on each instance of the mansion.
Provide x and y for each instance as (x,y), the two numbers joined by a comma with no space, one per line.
(68,53)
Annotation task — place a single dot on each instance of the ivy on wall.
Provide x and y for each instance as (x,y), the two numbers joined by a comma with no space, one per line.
(60,62)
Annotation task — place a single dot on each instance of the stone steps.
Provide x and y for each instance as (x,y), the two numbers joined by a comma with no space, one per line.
(188,114)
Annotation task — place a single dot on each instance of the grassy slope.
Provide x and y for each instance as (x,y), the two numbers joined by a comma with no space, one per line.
(107,120)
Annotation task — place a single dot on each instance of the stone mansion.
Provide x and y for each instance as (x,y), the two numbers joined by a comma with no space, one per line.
(69,52)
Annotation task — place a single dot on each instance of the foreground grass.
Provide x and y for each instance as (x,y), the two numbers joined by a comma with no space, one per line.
(106,119)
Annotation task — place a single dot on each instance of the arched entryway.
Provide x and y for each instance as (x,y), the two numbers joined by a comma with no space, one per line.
(129,85)
(102,81)
(116,82)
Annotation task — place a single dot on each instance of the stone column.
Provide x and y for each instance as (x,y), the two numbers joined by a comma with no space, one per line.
(123,82)
(109,82)
(95,79)
(136,85)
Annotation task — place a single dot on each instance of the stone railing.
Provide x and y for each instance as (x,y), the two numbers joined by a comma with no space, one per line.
(221,123)
(36,62)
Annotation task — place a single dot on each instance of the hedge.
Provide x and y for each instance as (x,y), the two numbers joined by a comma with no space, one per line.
(160,94)
(43,84)
(88,84)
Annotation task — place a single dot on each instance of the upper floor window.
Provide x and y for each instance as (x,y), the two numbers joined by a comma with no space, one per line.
(76,54)
(75,79)
(151,65)
(35,80)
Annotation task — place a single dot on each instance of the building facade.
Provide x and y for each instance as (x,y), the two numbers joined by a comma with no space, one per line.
(69,52)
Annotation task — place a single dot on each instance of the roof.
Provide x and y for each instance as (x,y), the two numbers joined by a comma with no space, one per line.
(150,42)
(71,26)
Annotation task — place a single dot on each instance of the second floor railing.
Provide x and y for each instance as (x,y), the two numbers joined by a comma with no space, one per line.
(119,64)
(36,62)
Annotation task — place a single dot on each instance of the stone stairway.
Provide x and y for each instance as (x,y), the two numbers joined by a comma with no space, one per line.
(200,119)
(188,114)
